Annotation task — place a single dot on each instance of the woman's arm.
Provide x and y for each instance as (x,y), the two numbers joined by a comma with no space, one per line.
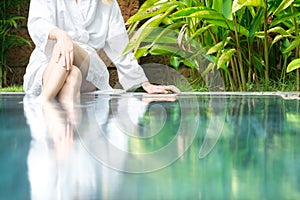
(41,20)
(131,74)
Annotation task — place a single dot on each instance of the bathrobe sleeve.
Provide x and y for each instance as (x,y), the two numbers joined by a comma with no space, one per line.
(41,21)
(131,74)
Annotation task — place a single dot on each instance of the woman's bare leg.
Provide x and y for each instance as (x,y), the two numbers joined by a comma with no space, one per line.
(82,60)
(57,81)
(54,78)
(70,92)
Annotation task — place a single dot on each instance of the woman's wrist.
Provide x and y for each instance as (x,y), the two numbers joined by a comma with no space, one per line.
(57,34)
(145,84)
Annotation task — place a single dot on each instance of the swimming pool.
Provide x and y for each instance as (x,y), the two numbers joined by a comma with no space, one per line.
(138,146)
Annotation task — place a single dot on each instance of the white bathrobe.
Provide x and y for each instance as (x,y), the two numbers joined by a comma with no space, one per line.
(93,25)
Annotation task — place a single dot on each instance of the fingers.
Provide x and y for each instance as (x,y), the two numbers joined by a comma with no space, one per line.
(154,89)
(63,51)
(164,90)
(172,89)
(71,59)
(68,60)
(65,59)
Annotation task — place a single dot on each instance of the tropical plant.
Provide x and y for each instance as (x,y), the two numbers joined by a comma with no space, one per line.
(238,37)
(8,39)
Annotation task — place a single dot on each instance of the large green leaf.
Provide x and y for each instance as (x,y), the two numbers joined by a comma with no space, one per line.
(282,33)
(225,57)
(187,12)
(295,64)
(238,4)
(153,11)
(283,18)
(201,30)
(229,25)
(145,31)
(283,5)
(150,3)
(166,50)
(223,7)
(142,51)
(208,14)
(278,30)
(292,46)
(255,24)
(198,12)
(217,46)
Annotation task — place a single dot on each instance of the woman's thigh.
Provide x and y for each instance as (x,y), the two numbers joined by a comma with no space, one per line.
(81,60)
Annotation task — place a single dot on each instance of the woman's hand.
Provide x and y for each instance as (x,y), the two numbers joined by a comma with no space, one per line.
(158,89)
(63,49)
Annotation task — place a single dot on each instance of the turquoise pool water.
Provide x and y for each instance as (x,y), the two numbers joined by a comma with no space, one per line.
(136,146)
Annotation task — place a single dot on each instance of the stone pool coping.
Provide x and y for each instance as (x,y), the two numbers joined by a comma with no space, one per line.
(283,94)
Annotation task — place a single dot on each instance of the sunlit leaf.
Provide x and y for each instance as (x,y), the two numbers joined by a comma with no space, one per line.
(208,14)
(279,30)
(147,4)
(225,57)
(283,5)
(142,51)
(295,64)
(198,12)
(238,4)
(284,18)
(223,7)
(209,68)
(141,34)
(217,46)
(152,11)
(187,12)
(166,50)
(201,30)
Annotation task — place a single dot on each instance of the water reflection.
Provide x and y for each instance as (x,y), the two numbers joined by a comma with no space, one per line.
(82,150)
(248,147)
(143,130)
(57,165)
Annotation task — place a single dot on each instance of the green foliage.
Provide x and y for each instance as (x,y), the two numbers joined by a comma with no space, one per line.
(244,41)
(295,64)
(8,39)
(13,88)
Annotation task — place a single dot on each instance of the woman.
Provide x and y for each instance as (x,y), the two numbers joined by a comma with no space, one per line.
(67,35)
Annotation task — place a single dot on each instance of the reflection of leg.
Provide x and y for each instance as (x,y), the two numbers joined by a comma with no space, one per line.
(59,129)
(73,113)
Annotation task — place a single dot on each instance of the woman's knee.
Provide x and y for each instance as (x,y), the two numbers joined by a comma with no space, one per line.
(74,78)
